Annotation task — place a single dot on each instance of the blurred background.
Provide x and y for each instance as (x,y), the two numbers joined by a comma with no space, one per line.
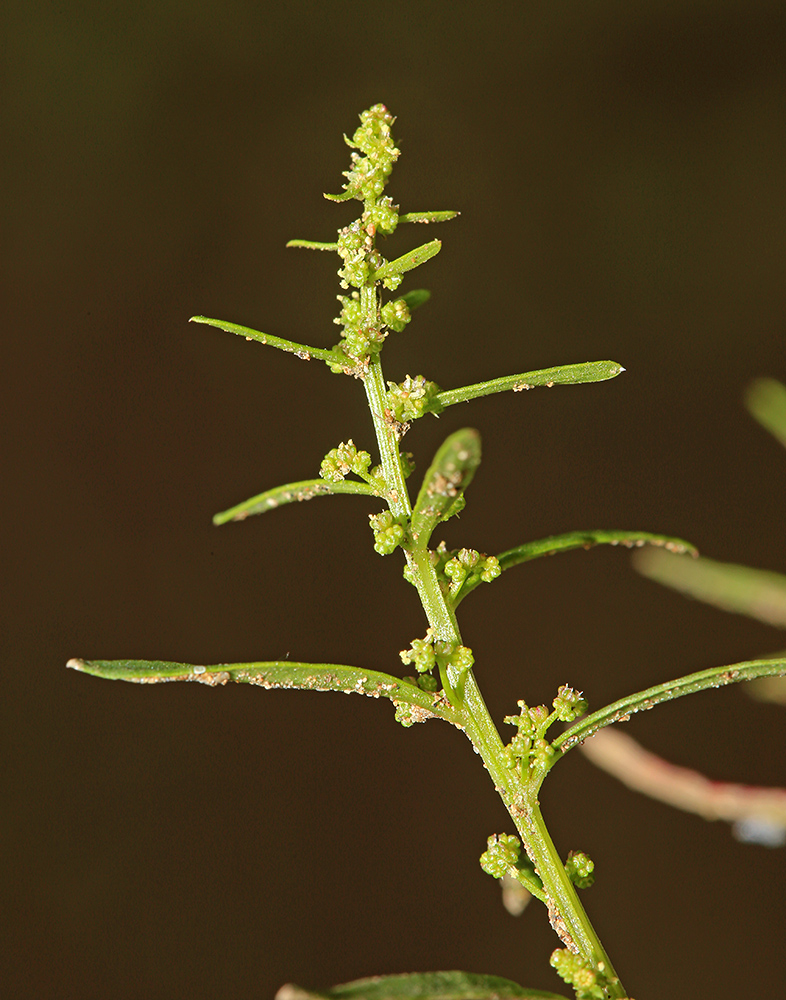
(619,170)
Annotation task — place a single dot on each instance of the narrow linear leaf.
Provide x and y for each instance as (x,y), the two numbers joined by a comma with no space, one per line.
(344,196)
(589,371)
(448,476)
(422,986)
(409,260)
(758,593)
(423,705)
(416,297)
(588,539)
(582,540)
(303,351)
(312,245)
(703,680)
(766,401)
(289,493)
(427,216)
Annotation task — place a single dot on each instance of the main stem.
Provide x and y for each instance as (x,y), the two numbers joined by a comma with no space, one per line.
(566,912)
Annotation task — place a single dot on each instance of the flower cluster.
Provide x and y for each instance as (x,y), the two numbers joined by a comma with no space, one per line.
(459,570)
(339,462)
(413,397)
(580,869)
(530,743)
(368,175)
(574,970)
(429,652)
(389,532)
(501,856)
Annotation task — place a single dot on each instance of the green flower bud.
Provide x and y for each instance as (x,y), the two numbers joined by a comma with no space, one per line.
(391,281)
(520,746)
(354,251)
(451,654)
(395,314)
(523,720)
(368,174)
(388,532)
(569,704)
(490,569)
(573,970)
(339,462)
(580,869)
(456,572)
(541,752)
(502,855)
(421,653)
(383,216)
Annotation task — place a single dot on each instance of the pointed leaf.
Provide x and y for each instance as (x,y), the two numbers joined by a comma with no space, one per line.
(416,298)
(449,475)
(344,196)
(312,245)
(303,351)
(289,493)
(587,539)
(421,705)
(766,400)
(422,986)
(582,540)
(589,371)
(621,710)
(758,593)
(428,216)
(409,260)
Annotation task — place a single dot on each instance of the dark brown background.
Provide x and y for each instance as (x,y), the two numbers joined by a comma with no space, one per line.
(619,168)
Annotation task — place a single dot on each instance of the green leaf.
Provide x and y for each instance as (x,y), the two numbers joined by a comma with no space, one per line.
(621,710)
(289,493)
(766,401)
(344,196)
(422,986)
(589,371)
(443,486)
(427,216)
(423,705)
(409,260)
(416,298)
(303,351)
(312,245)
(583,540)
(758,593)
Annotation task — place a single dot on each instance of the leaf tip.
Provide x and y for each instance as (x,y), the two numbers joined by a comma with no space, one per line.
(75,664)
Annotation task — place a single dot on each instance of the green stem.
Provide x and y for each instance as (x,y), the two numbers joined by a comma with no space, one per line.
(566,913)
(390,457)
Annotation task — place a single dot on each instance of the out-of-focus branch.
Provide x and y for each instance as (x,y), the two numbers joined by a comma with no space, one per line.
(758,814)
